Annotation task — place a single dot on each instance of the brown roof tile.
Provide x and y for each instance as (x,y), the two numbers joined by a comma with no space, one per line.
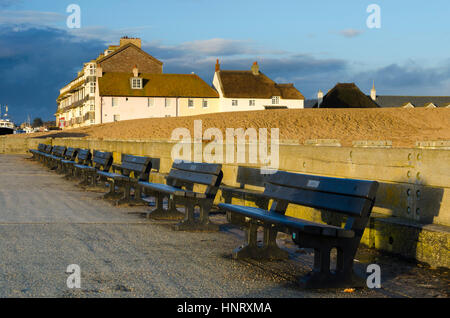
(244,84)
(155,85)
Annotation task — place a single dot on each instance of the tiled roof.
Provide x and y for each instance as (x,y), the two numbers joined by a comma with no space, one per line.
(244,84)
(155,85)
(417,101)
(100,59)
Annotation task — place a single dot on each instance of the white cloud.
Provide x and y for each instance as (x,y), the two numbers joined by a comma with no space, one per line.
(350,33)
(30,17)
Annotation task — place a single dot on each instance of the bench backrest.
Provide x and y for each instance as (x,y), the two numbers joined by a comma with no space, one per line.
(140,166)
(250,176)
(187,174)
(59,151)
(48,149)
(102,160)
(84,156)
(41,147)
(71,153)
(354,198)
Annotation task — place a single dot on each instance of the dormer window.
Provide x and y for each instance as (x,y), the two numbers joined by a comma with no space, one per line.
(136,83)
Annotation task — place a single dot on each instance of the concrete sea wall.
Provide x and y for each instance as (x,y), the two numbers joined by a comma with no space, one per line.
(411,216)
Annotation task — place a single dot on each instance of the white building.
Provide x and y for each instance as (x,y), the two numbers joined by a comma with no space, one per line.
(252,90)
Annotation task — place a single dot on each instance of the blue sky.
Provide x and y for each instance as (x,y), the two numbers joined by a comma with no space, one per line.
(313,44)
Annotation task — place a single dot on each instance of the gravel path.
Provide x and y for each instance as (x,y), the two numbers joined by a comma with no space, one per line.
(48,223)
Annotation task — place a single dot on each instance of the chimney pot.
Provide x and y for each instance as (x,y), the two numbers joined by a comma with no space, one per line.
(255,68)
(217,65)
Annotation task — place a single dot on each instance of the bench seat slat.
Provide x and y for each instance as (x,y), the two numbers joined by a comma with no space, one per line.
(291,222)
(162,188)
(112,175)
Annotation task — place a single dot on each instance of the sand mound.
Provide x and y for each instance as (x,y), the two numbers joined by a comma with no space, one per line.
(402,126)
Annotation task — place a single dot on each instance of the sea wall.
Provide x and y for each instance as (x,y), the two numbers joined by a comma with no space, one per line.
(412,210)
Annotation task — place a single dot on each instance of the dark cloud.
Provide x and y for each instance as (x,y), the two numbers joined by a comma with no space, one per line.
(35,63)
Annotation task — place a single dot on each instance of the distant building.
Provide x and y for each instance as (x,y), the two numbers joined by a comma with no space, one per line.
(344,95)
(410,101)
(134,95)
(76,105)
(252,90)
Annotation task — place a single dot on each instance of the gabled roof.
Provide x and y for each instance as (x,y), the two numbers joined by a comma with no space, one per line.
(346,95)
(122,48)
(155,85)
(418,101)
(245,84)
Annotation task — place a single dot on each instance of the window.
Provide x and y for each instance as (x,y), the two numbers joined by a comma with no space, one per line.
(167,102)
(150,102)
(190,102)
(275,100)
(116,117)
(251,102)
(136,83)
(205,103)
(114,101)
(92,121)
(234,102)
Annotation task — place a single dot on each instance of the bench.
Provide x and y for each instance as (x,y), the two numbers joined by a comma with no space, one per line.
(246,176)
(179,188)
(37,152)
(101,161)
(57,154)
(68,157)
(126,176)
(83,157)
(352,198)
(43,156)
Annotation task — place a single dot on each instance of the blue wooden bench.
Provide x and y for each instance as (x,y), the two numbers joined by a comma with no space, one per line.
(352,198)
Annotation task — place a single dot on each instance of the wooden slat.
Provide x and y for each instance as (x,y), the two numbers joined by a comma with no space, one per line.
(210,168)
(83,154)
(319,200)
(250,176)
(352,187)
(193,177)
(288,221)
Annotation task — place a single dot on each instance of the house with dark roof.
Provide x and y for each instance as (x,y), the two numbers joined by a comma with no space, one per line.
(252,90)
(135,95)
(409,101)
(344,95)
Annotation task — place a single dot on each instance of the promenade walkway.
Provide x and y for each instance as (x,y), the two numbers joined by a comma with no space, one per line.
(47,223)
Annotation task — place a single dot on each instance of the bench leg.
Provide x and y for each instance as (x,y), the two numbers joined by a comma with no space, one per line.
(161,214)
(323,277)
(137,198)
(112,194)
(202,224)
(268,251)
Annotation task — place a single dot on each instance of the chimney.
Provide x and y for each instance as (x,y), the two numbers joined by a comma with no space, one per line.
(135,71)
(319,98)
(99,70)
(125,40)
(217,65)
(373,92)
(255,68)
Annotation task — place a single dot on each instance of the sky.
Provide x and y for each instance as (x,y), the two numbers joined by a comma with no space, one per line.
(313,44)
